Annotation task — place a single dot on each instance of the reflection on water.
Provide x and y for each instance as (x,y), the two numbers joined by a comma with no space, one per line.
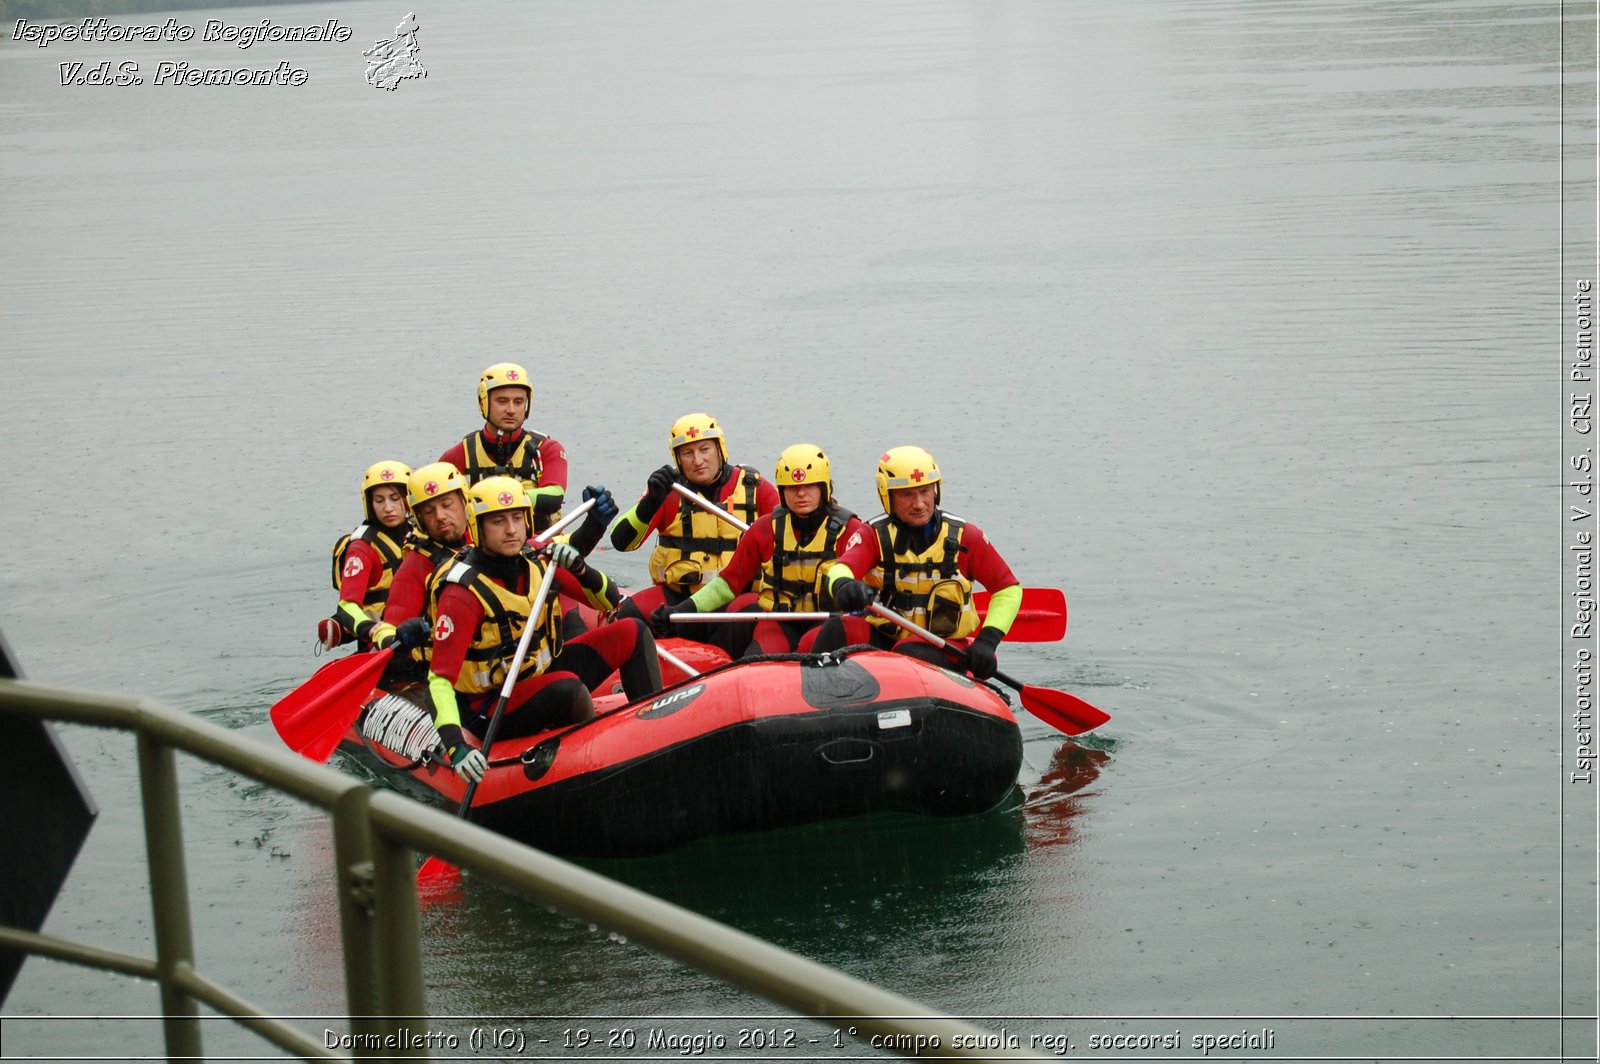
(1055,801)
(841,892)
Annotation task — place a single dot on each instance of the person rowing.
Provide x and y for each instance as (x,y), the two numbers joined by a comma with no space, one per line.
(504,448)
(482,601)
(692,545)
(784,554)
(437,496)
(365,561)
(921,562)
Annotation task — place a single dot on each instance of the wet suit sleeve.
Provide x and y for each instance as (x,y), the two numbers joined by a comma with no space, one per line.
(755,546)
(1003,607)
(547,499)
(446,714)
(712,597)
(981,562)
(552,466)
(587,536)
(860,554)
(595,587)
(459,618)
(361,570)
(633,528)
(408,592)
(456,455)
(551,491)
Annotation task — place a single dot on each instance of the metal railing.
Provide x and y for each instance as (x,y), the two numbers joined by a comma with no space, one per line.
(376,838)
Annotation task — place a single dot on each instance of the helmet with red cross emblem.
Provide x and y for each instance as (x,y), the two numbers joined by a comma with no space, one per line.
(433,480)
(804,463)
(906,467)
(692,428)
(388,473)
(502,375)
(492,495)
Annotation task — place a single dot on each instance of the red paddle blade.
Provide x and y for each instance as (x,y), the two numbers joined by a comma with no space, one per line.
(314,716)
(1067,713)
(1042,617)
(437,874)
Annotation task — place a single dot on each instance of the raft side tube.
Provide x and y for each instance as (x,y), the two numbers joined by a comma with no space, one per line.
(934,759)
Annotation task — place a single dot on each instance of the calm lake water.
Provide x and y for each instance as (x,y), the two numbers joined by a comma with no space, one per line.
(1241,322)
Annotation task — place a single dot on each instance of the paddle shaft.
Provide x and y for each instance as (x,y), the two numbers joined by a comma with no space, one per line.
(1063,711)
(511,674)
(672,659)
(709,507)
(1041,624)
(917,629)
(1066,712)
(541,539)
(566,522)
(706,618)
(1052,614)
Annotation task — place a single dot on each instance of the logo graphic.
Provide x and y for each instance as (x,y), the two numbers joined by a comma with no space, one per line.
(352,566)
(505,498)
(798,475)
(431,488)
(443,628)
(512,375)
(667,705)
(391,62)
(387,474)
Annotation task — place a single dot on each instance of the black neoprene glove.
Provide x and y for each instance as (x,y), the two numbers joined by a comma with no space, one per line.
(851,595)
(595,523)
(412,632)
(980,653)
(657,488)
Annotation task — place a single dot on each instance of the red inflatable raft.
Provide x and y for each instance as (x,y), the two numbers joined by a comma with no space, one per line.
(746,746)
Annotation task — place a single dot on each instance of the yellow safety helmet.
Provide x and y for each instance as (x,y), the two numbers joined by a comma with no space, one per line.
(492,495)
(502,375)
(692,428)
(433,480)
(804,463)
(378,474)
(906,467)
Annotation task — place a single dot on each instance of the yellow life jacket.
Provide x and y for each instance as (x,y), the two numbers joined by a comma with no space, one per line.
(439,557)
(435,552)
(790,576)
(388,548)
(692,548)
(926,588)
(505,614)
(523,463)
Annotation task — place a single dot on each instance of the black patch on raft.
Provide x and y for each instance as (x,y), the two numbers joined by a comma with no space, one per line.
(845,684)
